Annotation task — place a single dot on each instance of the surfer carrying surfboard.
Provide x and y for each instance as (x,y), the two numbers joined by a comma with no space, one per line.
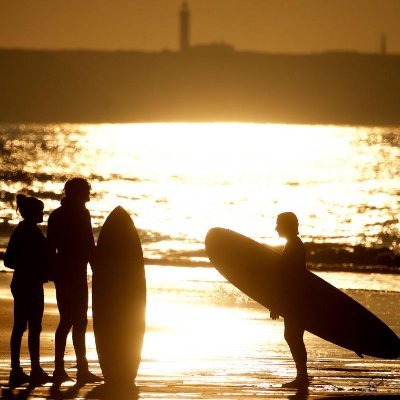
(71,239)
(281,283)
(292,273)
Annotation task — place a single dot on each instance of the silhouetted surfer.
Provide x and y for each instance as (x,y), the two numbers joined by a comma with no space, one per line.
(293,267)
(71,238)
(28,255)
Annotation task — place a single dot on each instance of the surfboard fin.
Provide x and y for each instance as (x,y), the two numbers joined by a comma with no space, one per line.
(359,355)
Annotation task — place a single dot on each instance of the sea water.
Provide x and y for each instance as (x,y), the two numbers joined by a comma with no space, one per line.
(179,180)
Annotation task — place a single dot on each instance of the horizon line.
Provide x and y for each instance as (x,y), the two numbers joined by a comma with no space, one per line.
(213,45)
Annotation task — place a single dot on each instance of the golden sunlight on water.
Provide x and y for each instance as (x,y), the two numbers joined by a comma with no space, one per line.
(178,180)
(238,176)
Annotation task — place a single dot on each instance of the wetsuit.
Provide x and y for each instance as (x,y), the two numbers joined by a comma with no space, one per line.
(71,238)
(28,255)
(293,270)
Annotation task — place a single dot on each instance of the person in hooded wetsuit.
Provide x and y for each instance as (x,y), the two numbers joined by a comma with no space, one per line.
(293,268)
(71,240)
(28,255)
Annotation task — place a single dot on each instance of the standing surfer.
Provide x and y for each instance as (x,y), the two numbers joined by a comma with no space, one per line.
(293,268)
(71,238)
(28,255)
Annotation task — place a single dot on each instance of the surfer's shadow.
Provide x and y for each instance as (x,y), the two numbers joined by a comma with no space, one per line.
(300,394)
(106,392)
(21,394)
(71,392)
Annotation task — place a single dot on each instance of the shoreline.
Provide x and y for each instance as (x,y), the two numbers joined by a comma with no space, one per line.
(321,256)
(313,267)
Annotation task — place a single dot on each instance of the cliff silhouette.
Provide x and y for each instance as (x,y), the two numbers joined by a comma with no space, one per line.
(208,83)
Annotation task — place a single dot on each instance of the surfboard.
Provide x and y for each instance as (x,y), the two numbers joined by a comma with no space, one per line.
(325,310)
(119,299)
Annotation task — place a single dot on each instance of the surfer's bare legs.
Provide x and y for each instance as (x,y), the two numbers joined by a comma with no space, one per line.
(294,333)
(15,345)
(34,348)
(28,312)
(38,376)
(78,340)
(60,342)
(17,375)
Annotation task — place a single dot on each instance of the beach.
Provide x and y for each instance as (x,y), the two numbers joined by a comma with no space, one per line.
(206,340)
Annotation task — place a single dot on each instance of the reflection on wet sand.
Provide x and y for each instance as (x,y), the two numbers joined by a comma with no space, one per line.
(331,380)
(204,340)
(105,392)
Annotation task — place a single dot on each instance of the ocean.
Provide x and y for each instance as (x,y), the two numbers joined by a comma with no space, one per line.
(179,180)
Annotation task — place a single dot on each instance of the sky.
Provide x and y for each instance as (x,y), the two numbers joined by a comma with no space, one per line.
(277,26)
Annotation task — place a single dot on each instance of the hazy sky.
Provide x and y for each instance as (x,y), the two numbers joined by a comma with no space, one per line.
(261,25)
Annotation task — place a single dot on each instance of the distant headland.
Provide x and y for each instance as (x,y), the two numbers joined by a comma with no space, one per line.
(202,83)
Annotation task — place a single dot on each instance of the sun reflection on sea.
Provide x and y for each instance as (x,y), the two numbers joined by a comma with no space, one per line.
(179,179)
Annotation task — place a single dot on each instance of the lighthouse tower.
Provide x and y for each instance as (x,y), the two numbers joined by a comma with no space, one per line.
(184,27)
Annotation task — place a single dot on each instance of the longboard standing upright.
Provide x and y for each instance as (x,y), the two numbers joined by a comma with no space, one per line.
(119,299)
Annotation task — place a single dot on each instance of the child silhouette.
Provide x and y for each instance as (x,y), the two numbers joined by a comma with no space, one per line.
(27,254)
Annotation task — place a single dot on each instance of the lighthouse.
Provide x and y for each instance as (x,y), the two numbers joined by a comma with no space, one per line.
(184,27)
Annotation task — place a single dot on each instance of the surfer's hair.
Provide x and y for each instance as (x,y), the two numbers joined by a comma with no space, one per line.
(28,206)
(75,187)
(290,220)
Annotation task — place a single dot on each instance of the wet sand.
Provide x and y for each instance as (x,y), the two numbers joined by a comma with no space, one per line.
(234,372)
(331,379)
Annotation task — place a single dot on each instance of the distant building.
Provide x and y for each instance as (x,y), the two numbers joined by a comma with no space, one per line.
(184,27)
(216,47)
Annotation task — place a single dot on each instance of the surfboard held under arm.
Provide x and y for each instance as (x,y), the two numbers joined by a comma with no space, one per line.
(325,310)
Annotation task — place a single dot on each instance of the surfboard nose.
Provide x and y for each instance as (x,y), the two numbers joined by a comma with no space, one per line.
(119,219)
(119,211)
(211,235)
(214,241)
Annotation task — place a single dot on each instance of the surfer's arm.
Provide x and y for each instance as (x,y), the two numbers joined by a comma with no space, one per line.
(90,242)
(52,246)
(10,256)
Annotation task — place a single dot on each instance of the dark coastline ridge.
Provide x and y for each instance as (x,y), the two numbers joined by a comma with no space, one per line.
(204,84)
